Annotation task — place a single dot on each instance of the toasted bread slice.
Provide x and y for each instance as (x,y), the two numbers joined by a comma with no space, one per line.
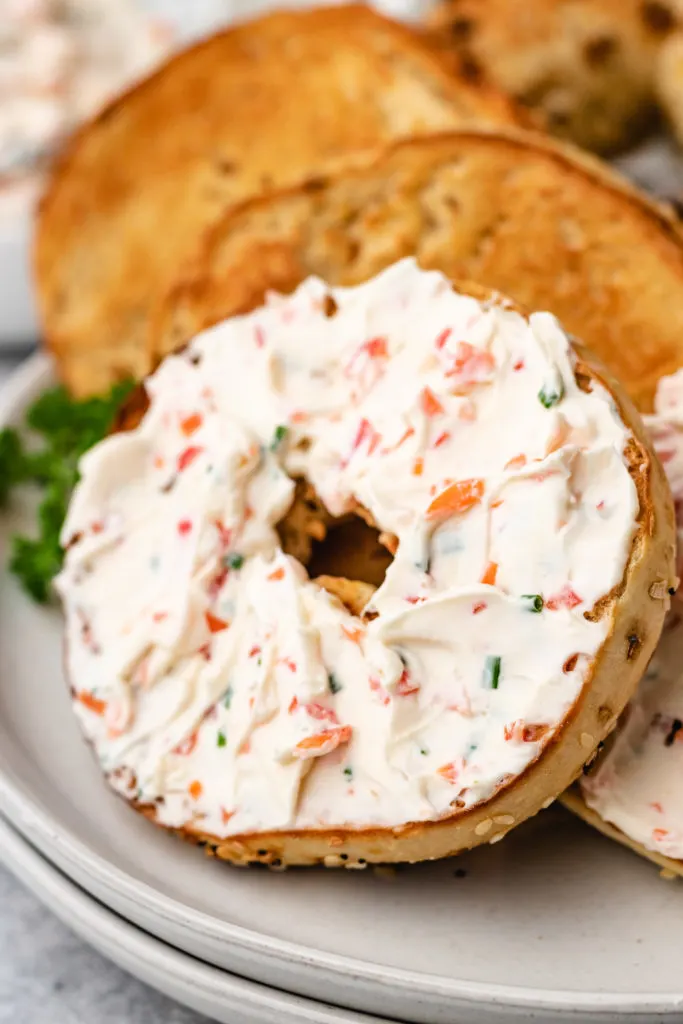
(631,610)
(265,104)
(517,212)
(586,67)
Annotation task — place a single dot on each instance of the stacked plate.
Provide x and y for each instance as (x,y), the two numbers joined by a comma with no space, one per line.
(555,923)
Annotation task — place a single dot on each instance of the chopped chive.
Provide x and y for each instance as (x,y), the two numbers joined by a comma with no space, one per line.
(220,739)
(551,394)
(424,751)
(233,561)
(278,437)
(333,683)
(227,699)
(348,772)
(492,672)
(533,602)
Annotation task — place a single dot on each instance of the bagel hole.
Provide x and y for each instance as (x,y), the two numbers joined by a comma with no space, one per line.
(351,550)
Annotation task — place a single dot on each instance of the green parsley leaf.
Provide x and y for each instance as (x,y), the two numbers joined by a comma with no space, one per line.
(12,468)
(65,429)
(348,772)
(220,739)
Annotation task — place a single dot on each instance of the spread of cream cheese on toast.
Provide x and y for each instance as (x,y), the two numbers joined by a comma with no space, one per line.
(219,683)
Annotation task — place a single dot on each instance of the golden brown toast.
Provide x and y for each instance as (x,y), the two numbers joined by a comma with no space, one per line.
(631,610)
(261,105)
(514,211)
(585,66)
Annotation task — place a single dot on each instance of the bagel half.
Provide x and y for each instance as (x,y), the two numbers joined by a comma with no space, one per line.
(538,221)
(586,67)
(263,104)
(635,610)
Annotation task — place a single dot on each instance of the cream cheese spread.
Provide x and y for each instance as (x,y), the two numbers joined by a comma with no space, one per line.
(217,681)
(637,786)
(59,61)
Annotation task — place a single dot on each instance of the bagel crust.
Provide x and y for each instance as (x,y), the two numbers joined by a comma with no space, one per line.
(234,700)
(632,790)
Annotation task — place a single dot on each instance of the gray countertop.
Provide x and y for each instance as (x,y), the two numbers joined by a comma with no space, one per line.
(47,975)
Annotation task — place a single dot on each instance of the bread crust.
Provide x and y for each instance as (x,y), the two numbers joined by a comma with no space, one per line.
(616,672)
(267,103)
(586,68)
(520,213)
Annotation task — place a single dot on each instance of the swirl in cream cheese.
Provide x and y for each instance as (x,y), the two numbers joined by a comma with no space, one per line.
(220,683)
(637,785)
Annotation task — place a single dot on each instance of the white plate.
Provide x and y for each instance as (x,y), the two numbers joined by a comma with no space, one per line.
(555,921)
(210,991)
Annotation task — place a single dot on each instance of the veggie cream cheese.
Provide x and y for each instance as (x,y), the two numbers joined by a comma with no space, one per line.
(59,61)
(217,681)
(637,786)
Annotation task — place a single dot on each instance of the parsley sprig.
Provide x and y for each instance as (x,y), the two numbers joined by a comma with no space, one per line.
(65,429)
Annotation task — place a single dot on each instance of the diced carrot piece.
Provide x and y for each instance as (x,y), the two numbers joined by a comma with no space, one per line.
(190,424)
(659,833)
(451,771)
(215,624)
(418,467)
(323,742)
(92,703)
(195,789)
(226,815)
(459,497)
(277,574)
(429,403)
(490,574)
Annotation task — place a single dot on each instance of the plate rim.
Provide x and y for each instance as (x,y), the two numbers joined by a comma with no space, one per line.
(34,822)
(92,918)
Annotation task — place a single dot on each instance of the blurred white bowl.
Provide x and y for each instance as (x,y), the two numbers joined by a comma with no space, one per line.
(18,318)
